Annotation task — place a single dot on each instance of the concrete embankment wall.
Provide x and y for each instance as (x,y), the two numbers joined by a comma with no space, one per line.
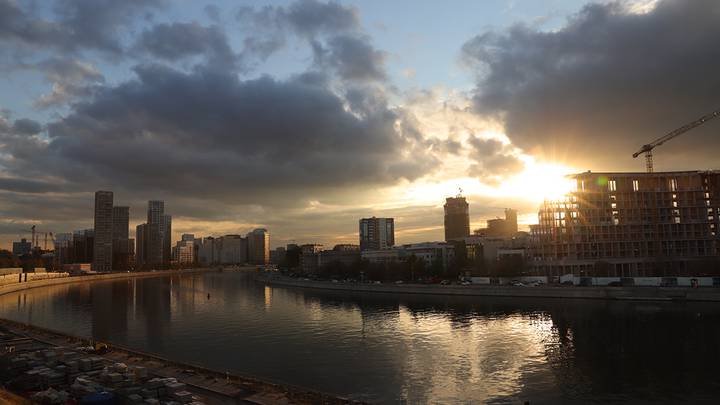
(5,289)
(612,293)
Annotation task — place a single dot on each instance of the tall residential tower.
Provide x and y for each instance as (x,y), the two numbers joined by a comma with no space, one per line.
(457,218)
(103,244)
(377,233)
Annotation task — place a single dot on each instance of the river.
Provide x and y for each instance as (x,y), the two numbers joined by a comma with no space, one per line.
(388,348)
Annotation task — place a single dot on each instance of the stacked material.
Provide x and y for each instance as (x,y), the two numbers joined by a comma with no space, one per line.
(64,374)
(50,396)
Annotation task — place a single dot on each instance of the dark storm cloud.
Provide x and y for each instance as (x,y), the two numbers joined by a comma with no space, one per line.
(75,24)
(176,41)
(25,126)
(214,135)
(607,82)
(493,159)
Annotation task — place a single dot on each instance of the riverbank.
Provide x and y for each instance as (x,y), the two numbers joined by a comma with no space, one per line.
(211,386)
(703,294)
(10,288)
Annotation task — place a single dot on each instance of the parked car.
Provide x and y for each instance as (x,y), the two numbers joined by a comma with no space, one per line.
(399,282)
(614,284)
(445,282)
(465,282)
(517,283)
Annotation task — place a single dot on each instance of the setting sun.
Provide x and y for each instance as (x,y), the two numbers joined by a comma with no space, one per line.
(538,182)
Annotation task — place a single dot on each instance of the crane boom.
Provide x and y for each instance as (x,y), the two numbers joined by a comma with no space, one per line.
(647,149)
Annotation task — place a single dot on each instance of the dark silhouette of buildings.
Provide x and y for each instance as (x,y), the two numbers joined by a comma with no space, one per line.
(103,248)
(153,246)
(457,218)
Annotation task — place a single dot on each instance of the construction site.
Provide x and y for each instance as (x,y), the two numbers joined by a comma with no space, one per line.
(633,224)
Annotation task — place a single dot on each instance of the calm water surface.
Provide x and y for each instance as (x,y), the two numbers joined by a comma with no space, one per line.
(388,349)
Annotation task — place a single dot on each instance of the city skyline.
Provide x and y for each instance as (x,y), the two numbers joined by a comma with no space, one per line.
(304,116)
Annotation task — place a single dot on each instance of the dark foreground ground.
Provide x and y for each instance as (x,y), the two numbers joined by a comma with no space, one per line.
(63,368)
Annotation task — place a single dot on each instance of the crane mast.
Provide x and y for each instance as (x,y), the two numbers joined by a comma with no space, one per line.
(648,148)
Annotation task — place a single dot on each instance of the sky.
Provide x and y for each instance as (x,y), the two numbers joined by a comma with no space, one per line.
(304,116)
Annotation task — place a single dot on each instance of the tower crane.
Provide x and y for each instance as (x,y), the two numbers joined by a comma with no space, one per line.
(648,148)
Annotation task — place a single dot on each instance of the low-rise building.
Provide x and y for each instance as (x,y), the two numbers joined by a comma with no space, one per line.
(309,257)
(345,254)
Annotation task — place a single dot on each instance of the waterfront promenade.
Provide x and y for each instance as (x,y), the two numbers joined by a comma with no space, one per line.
(13,287)
(703,294)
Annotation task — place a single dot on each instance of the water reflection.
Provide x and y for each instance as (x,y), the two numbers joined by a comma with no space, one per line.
(386,348)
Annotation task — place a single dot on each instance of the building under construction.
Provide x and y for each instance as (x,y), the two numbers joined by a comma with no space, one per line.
(631,224)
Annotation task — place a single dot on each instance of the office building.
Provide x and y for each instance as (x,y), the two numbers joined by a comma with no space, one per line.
(184,250)
(83,246)
(343,254)
(500,228)
(258,242)
(309,257)
(457,218)
(103,244)
(166,232)
(121,240)
(228,249)
(631,224)
(22,247)
(277,256)
(377,233)
(154,239)
(140,246)
(63,249)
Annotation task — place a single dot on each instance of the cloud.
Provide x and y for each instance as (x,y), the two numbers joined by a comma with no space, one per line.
(25,126)
(211,134)
(612,79)
(71,78)
(331,30)
(213,12)
(494,159)
(75,24)
(306,18)
(176,41)
(352,57)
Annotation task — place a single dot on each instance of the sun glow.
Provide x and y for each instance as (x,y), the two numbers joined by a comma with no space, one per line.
(538,182)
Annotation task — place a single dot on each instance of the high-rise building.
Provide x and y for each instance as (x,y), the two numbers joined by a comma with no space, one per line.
(258,242)
(83,246)
(377,233)
(166,231)
(103,252)
(141,235)
(632,224)
(121,238)
(154,245)
(511,220)
(457,218)
(156,209)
